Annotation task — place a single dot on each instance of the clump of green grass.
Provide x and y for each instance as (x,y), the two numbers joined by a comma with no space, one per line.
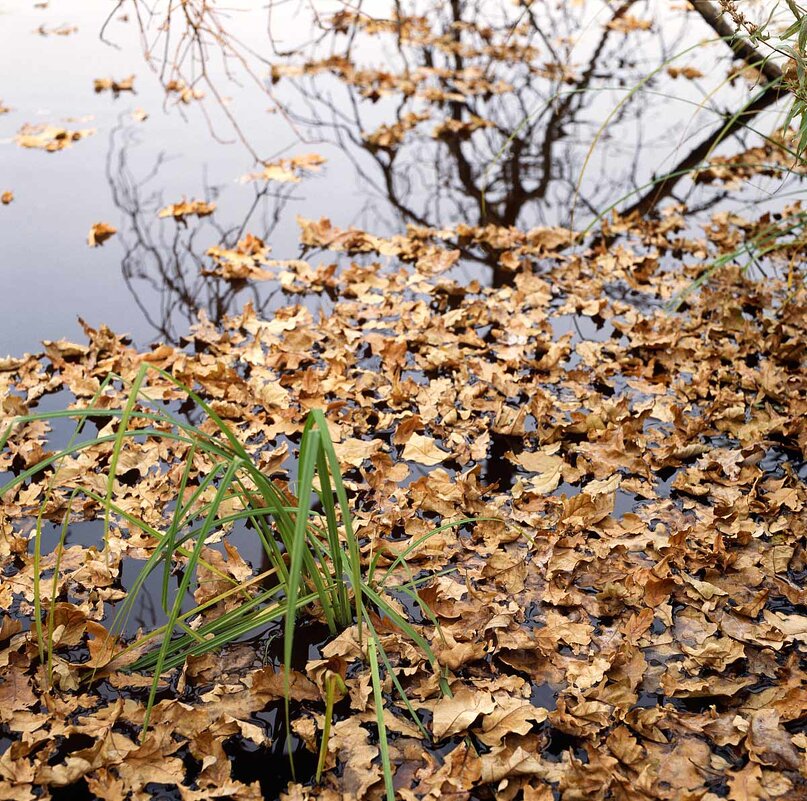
(313,557)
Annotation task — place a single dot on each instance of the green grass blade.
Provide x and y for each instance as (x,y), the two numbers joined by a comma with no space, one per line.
(131,401)
(183,587)
(354,552)
(378,700)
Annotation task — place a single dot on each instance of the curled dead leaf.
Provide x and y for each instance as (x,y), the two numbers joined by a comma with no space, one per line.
(423,450)
(455,715)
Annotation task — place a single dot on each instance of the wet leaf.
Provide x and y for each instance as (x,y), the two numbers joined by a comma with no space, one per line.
(455,715)
(423,450)
(288,170)
(113,85)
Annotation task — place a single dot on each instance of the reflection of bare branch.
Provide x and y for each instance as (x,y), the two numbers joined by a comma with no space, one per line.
(178,41)
(449,61)
(742,48)
(731,124)
(162,262)
(532,120)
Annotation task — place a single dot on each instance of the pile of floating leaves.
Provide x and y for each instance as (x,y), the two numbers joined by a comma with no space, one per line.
(626,619)
(635,625)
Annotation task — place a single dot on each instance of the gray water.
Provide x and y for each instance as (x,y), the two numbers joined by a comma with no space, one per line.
(146,281)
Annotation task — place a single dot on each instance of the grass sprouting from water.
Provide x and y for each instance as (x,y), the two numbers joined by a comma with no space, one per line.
(314,557)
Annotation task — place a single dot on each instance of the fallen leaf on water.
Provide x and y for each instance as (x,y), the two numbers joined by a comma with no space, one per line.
(423,450)
(387,137)
(49,137)
(110,84)
(454,715)
(769,743)
(59,30)
(99,233)
(6,198)
(627,23)
(511,716)
(351,743)
(460,129)
(690,73)
(746,784)
(187,208)
(354,451)
(287,170)
(241,262)
(185,93)
(547,467)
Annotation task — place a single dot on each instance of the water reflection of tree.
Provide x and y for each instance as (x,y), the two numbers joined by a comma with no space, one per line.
(163,263)
(523,169)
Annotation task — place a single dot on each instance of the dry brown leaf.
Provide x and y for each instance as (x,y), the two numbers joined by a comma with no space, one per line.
(287,170)
(423,450)
(99,233)
(351,744)
(768,742)
(511,716)
(49,137)
(455,715)
(115,86)
(187,208)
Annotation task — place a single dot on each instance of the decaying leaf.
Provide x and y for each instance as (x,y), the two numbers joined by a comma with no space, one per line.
(592,509)
(186,94)
(57,30)
(287,170)
(423,450)
(456,714)
(113,85)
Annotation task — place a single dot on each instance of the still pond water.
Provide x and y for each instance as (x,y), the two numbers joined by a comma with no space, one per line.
(147,281)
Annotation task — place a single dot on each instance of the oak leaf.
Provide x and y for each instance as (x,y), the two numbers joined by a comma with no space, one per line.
(455,715)
(423,450)
(511,716)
